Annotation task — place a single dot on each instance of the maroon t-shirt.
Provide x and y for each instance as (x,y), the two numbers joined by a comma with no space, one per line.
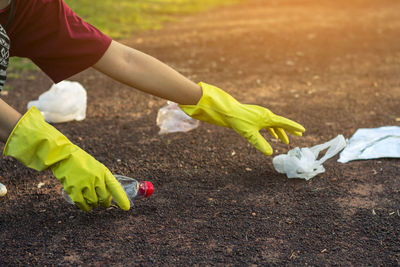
(53,37)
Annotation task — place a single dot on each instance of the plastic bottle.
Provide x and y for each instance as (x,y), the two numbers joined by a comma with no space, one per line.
(171,119)
(134,189)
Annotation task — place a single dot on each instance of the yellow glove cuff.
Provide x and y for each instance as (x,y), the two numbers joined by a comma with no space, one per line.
(37,144)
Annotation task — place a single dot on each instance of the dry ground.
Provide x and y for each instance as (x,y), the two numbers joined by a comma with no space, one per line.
(331,65)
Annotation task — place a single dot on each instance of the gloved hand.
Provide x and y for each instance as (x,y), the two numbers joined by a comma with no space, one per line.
(38,145)
(219,108)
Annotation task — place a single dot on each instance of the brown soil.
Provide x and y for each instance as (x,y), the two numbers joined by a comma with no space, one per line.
(331,65)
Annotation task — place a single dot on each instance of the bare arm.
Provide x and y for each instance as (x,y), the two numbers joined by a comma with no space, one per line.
(8,119)
(147,74)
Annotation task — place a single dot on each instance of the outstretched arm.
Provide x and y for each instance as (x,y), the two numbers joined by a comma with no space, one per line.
(203,102)
(147,74)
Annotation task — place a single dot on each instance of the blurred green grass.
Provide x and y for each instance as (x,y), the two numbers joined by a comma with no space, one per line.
(120,19)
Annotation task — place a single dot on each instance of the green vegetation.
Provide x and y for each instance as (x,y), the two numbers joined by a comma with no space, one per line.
(119,19)
(17,65)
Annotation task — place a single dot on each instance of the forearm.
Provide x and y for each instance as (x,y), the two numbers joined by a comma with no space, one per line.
(147,74)
(8,119)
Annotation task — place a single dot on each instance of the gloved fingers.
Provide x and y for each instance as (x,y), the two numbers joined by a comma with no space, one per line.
(282,135)
(83,206)
(118,194)
(77,197)
(103,195)
(295,133)
(90,196)
(272,132)
(257,140)
(287,124)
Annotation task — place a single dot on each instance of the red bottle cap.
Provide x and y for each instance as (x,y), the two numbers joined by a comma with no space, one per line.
(149,189)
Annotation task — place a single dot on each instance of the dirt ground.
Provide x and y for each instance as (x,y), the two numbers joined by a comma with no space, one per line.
(333,66)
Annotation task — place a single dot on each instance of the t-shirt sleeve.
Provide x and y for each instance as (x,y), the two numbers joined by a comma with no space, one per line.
(55,38)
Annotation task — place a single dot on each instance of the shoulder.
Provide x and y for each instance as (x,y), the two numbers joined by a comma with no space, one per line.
(39,10)
(37,5)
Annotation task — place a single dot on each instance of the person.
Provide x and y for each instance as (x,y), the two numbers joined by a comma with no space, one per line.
(62,44)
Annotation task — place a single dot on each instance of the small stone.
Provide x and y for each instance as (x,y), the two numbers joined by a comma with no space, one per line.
(311,36)
(289,63)
(3,190)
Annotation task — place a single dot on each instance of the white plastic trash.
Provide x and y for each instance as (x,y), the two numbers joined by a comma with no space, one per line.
(64,101)
(382,142)
(303,162)
(171,118)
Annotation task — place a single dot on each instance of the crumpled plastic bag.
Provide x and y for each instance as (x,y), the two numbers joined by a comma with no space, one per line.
(303,162)
(64,101)
(382,142)
(171,118)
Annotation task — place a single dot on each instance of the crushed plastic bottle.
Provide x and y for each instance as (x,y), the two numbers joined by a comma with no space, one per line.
(171,119)
(134,189)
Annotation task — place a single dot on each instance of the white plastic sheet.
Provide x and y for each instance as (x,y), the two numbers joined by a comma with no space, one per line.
(64,101)
(373,143)
(171,118)
(303,162)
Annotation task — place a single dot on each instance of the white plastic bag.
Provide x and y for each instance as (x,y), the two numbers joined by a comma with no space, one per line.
(382,142)
(64,101)
(303,163)
(171,118)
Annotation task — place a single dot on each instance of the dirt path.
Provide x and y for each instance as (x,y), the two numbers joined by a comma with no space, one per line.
(331,65)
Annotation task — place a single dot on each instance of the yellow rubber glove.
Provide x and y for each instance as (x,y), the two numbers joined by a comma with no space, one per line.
(219,108)
(38,145)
